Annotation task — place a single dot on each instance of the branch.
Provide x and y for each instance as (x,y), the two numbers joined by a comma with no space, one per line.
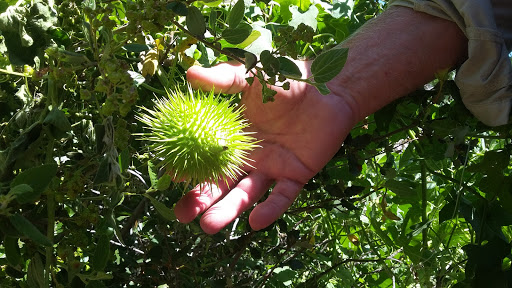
(208,44)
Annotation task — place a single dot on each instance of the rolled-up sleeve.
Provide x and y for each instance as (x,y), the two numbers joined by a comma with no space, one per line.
(485,78)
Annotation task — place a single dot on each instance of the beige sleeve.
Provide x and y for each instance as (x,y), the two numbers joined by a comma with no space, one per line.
(485,78)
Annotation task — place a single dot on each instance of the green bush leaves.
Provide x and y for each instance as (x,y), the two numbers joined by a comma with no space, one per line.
(419,194)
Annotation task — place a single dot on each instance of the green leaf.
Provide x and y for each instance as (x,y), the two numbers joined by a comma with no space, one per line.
(57,118)
(138,79)
(404,189)
(236,51)
(28,229)
(284,276)
(236,14)
(12,250)
(4,5)
(21,191)
(177,7)
(494,160)
(212,21)
(124,160)
(419,227)
(237,35)
(211,3)
(322,88)
(152,174)
(99,130)
(288,68)
(268,94)
(250,80)
(103,173)
(101,254)
(38,178)
(195,22)
(263,42)
(250,61)
(384,116)
(164,182)
(35,273)
(24,31)
(270,63)
(90,3)
(137,47)
(60,36)
(328,64)
(448,212)
(163,210)
(255,34)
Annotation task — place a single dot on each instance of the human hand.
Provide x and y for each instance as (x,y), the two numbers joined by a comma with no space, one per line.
(300,132)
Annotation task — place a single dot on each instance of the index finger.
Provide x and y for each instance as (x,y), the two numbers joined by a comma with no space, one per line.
(226,77)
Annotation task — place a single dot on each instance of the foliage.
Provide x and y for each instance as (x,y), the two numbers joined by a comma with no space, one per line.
(418,196)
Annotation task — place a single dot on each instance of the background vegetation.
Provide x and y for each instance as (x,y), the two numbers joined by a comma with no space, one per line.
(418,196)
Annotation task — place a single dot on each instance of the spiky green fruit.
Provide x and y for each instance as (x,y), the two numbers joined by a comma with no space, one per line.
(198,136)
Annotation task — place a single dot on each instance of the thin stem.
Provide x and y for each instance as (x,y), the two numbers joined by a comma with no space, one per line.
(152,89)
(4,71)
(424,218)
(50,228)
(231,55)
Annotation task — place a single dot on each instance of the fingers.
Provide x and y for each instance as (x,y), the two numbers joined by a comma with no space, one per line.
(226,77)
(198,200)
(281,198)
(248,191)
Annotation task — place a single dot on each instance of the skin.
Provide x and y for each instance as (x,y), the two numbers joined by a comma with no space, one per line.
(389,57)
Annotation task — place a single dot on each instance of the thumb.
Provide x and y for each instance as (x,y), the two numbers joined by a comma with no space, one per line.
(226,77)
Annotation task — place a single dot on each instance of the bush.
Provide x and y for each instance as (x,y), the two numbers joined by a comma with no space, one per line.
(419,194)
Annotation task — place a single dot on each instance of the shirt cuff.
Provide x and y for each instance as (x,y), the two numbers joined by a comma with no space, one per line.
(485,78)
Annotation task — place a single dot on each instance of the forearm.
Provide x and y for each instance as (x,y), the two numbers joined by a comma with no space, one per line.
(395,54)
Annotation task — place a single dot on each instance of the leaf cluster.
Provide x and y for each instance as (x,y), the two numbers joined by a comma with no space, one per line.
(418,196)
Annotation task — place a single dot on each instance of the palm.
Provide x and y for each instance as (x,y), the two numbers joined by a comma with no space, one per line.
(300,132)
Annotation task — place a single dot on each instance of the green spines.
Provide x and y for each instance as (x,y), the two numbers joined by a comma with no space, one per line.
(198,136)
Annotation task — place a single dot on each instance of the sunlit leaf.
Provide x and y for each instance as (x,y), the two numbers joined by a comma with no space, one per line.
(237,35)
(164,182)
(255,34)
(250,61)
(136,47)
(236,14)
(162,209)
(288,68)
(195,22)
(270,63)
(329,64)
